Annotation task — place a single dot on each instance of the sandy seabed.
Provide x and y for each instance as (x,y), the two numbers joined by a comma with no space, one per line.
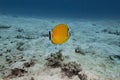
(25,39)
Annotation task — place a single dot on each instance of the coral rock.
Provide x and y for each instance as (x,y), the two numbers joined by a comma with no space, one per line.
(85,75)
(55,60)
(71,68)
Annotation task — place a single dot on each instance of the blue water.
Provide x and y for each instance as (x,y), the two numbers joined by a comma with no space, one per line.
(61,8)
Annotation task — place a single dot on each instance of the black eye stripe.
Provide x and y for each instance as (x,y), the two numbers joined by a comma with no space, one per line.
(49,35)
(68,29)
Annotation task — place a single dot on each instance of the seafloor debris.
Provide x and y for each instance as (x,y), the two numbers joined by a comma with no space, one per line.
(55,60)
(44,35)
(19,46)
(1,54)
(4,72)
(86,75)
(29,64)
(94,24)
(71,68)
(32,78)
(4,26)
(8,59)
(16,72)
(20,30)
(114,57)
(79,50)
(20,36)
(115,32)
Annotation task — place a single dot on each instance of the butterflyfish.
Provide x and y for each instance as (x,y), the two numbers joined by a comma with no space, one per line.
(59,34)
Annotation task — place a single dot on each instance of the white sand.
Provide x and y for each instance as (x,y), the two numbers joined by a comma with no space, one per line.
(88,35)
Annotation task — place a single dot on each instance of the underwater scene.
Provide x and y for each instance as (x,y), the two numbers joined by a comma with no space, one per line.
(59,40)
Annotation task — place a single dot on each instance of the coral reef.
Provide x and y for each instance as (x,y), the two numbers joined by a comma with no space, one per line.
(71,68)
(18,69)
(16,72)
(82,76)
(55,60)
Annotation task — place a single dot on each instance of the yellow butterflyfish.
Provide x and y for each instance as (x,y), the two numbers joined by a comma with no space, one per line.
(59,34)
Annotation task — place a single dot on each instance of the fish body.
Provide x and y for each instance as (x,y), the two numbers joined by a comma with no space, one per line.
(59,34)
